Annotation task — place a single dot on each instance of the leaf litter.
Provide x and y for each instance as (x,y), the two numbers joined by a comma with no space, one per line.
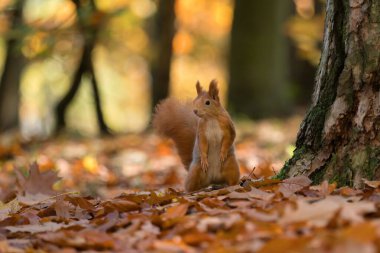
(263,215)
(107,201)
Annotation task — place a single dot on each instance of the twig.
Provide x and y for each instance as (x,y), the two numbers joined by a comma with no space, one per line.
(252,173)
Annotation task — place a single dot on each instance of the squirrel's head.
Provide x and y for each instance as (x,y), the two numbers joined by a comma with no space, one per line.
(207,103)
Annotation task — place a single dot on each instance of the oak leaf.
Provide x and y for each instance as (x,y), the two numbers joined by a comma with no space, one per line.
(38,182)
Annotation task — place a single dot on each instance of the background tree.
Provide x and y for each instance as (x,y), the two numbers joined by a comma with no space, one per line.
(339,137)
(305,29)
(89,21)
(259,72)
(164,29)
(13,66)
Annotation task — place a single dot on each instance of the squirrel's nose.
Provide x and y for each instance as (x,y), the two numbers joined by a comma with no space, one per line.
(195,111)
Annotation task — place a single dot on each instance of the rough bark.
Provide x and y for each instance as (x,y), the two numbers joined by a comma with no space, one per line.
(339,139)
(161,64)
(90,31)
(259,73)
(11,77)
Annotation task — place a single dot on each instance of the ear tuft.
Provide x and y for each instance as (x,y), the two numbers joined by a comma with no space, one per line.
(199,88)
(213,90)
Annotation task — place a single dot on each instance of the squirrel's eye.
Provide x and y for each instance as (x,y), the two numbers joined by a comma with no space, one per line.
(207,102)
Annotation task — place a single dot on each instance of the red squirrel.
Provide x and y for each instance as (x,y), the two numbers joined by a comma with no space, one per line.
(204,134)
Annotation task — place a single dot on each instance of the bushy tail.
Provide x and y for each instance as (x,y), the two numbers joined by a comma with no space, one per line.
(176,120)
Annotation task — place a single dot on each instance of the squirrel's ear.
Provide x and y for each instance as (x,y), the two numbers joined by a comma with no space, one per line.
(213,90)
(199,88)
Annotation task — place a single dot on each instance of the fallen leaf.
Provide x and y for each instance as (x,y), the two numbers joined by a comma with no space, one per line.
(174,245)
(285,245)
(324,188)
(373,184)
(253,193)
(110,220)
(5,247)
(347,191)
(85,239)
(317,214)
(30,199)
(81,202)
(44,227)
(120,205)
(261,216)
(176,211)
(354,211)
(62,208)
(364,232)
(9,208)
(294,184)
(38,182)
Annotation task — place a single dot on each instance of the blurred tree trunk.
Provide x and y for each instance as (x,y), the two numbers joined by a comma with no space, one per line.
(163,36)
(302,71)
(302,74)
(89,28)
(10,79)
(259,68)
(339,139)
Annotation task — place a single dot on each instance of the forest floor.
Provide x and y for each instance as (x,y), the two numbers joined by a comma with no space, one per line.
(125,194)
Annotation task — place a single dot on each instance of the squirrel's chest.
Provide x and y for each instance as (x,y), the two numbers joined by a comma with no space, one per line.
(214,133)
(214,136)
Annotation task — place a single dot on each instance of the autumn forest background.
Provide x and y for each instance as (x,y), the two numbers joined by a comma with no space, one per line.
(93,68)
(79,158)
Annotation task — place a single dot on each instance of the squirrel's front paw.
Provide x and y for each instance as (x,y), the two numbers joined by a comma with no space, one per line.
(204,164)
(223,156)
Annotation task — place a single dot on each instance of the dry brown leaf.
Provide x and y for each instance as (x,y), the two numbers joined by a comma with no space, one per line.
(44,227)
(174,245)
(32,217)
(224,222)
(62,208)
(9,208)
(111,220)
(253,193)
(85,239)
(120,205)
(373,184)
(29,199)
(81,202)
(365,232)
(38,182)
(294,184)
(261,216)
(6,248)
(354,211)
(347,191)
(177,211)
(196,238)
(317,214)
(285,245)
(324,188)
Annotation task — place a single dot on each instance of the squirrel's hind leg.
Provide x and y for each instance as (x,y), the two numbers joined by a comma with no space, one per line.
(230,170)
(196,178)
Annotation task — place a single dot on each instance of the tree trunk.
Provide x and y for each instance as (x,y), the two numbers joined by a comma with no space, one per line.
(61,107)
(10,79)
(259,69)
(86,65)
(339,139)
(104,130)
(161,64)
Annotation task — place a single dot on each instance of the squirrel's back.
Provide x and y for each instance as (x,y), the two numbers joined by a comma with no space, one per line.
(176,120)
